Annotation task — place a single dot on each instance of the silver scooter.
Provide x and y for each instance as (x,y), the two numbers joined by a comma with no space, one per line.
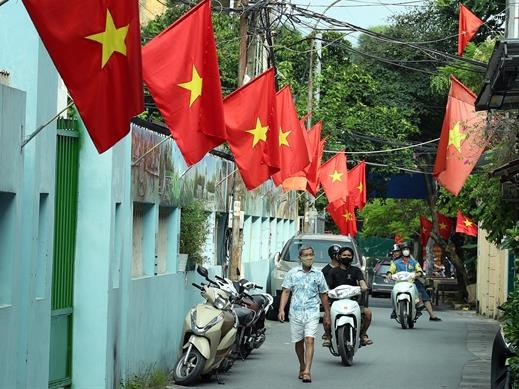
(346,322)
(404,297)
(208,335)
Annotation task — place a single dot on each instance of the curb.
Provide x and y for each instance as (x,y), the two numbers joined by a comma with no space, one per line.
(480,336)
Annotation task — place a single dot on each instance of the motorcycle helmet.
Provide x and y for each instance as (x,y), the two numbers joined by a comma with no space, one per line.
(406,249)
(333,250)
(346,261)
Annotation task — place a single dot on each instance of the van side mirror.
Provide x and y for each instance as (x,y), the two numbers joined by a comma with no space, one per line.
(202,271)
(277,258)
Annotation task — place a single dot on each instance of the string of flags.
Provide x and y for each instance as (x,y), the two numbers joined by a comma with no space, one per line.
(260,125)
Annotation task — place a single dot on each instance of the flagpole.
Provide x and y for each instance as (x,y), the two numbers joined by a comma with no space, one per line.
(40,128)
(138,160)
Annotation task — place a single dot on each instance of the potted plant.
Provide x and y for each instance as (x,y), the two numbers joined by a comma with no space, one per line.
(193,232)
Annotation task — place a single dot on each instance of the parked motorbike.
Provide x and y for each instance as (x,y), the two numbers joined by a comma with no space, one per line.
(209,334)
(251,310)
(346,322)
(403,298)
(500,371)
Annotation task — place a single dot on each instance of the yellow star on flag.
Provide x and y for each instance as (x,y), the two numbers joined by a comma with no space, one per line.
(467,223)
(360,187)
(456,137)
(442,226)
(260,133)
(112,39)
(348,216)
(194,86)
(283,137)
(336,176)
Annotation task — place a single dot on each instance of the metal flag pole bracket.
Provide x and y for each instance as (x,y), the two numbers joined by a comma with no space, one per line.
(185,171)
(138,160)
(40,128)
(226,177)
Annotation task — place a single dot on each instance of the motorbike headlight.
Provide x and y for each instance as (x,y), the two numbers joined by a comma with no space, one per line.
(220,302)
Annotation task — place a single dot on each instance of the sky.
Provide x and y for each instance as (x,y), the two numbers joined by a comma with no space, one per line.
(363,13)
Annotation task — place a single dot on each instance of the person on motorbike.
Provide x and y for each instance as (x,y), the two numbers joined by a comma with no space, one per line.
(346,274)
(333,252)
(396,252)
(407,263)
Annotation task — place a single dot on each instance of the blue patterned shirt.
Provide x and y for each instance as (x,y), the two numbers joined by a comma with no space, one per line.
(306,288)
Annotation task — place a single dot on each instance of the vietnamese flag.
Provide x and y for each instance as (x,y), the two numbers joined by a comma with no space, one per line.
(343,214)
(95,46)
(462,139)
(468,26)
(445,225)
(316,146)
(465,225)
(293,149)
(252,130)
(180,67)
(334,178)
(357,185)
(425,230)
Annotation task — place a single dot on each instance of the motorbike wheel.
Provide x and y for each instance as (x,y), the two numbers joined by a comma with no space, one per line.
(403,315)
(345,351)
(410,322)
(186,373)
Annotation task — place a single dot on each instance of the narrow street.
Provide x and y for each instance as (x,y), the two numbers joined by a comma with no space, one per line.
(433,355)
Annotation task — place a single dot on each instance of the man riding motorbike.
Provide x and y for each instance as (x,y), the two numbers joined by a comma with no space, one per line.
(333,252)
(407,263)
(346,274)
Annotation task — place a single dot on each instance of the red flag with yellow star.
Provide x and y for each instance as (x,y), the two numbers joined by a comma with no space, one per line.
(96,49)
(445,225)
(468,26)
(466,225)
(357,184)
(462,139)
(425,230)
(343,214)
(334,178)
(252,130)
(180,67)
(293,149)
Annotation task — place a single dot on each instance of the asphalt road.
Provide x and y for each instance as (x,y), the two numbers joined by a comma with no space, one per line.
(430,356)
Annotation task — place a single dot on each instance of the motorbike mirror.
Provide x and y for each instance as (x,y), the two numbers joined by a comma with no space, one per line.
(202,271)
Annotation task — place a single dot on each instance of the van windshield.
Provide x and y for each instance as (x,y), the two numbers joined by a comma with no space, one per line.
(320,247)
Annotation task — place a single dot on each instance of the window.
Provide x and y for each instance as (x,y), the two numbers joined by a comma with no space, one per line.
(167,244)
(7,245)
(43,247)
(144,229)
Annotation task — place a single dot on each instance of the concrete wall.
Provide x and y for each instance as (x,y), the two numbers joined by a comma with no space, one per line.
(492,278)
(27,322)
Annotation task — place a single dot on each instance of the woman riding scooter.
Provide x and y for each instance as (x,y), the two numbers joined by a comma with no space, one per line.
(407,263)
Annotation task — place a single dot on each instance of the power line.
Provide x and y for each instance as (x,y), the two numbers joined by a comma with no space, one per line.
(383,151)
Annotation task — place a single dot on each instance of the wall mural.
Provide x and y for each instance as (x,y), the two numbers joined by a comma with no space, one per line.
(163,177)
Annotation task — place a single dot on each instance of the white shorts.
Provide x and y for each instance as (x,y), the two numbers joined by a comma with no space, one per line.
(300,330)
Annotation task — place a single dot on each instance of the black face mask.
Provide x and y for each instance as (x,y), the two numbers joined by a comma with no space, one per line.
(346,261)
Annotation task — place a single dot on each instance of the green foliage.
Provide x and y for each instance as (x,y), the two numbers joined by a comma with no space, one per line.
(149,378)
(387,218)
(193,231)
(511,240)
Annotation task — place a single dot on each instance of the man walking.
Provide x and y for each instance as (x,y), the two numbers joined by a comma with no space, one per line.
(308,288)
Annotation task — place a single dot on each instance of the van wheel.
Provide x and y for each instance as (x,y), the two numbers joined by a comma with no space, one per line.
(188,372)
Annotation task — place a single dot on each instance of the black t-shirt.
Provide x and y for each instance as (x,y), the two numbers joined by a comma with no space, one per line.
(338,276)
(326,270)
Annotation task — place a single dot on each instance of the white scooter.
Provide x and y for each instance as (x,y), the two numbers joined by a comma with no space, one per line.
(345,319)
(404,297)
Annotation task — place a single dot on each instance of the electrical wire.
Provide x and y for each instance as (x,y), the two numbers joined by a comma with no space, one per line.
(382,151)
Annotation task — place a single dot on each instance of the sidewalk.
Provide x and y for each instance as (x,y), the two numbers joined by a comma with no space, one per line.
(480,336)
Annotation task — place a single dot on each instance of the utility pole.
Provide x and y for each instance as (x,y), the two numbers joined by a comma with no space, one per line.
(512,19)
(238,187)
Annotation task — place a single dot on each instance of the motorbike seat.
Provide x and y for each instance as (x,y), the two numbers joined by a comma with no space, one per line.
(259,299)
(245,315)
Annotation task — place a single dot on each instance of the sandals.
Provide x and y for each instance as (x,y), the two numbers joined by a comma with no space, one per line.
(307,377)
(301,375)
(365,341)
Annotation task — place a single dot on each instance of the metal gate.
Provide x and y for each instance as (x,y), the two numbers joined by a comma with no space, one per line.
(67,169)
